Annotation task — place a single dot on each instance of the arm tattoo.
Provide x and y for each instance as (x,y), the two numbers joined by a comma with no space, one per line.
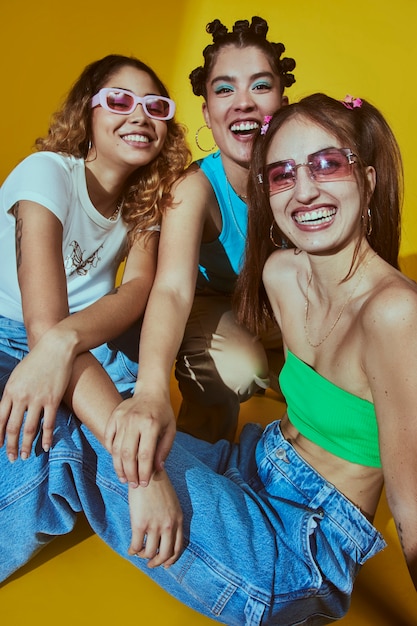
(400,535)
(18,234)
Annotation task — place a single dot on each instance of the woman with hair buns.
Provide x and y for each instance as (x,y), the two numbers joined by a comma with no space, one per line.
(219,364)
(188,316)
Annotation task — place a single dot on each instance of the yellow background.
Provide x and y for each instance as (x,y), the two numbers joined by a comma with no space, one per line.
(367,48)
(363,47)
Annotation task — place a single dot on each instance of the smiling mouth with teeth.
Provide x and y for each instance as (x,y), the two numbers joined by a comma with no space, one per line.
(315,217)
(244,127)
(137,138)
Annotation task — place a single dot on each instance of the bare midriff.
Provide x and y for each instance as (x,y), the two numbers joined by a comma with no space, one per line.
(362,485)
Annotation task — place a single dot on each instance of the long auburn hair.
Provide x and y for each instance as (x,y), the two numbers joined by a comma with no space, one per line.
(147,191)
(366,132)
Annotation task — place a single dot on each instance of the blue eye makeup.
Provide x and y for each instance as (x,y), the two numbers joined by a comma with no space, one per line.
(261,84)
(223,87)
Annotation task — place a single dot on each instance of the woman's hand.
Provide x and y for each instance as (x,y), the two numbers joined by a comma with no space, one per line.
(139,434)
(156,520)
(37,385)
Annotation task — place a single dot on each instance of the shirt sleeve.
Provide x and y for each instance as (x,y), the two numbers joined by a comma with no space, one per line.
(42,177)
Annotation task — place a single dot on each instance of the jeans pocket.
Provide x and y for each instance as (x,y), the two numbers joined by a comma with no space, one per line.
(227,599)
(118,366)
(128,367)
(332,573)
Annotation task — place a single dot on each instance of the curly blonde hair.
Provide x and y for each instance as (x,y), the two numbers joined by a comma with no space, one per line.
(147,192)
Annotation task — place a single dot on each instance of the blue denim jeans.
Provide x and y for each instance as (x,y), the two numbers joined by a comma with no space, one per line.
(268,540)
(121,369)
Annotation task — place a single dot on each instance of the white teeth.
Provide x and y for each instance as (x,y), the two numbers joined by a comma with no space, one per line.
(138,138)
(244,127)
(313,216)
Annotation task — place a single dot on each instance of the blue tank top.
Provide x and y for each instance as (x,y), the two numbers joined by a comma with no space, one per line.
(221,259)
(331,417)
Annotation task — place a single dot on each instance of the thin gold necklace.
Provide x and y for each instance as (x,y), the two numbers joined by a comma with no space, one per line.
(339,315)
(117,210)
(239,195)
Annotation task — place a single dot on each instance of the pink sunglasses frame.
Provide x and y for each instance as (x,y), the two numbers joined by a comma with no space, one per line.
(100,99)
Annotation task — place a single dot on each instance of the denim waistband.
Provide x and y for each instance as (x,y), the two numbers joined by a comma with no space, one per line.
(315,491)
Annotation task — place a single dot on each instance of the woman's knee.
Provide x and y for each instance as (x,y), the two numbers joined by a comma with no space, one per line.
(242,365)
(209,377)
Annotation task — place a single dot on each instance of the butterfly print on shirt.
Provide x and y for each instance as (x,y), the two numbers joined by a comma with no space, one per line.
(75,262)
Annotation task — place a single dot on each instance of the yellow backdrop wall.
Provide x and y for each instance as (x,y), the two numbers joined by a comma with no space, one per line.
(364,47)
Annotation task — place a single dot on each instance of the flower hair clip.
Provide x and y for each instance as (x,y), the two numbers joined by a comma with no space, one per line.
(265,125)
(352,103)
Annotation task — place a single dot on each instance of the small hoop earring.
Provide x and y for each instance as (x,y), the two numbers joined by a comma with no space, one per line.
(283,243)
(88,154)
(368,220)
(197,142)
(369,224)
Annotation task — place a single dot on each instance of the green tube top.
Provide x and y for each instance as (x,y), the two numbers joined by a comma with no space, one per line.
(329,416)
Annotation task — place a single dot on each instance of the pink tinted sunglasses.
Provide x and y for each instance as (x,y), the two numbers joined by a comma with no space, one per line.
(124,102)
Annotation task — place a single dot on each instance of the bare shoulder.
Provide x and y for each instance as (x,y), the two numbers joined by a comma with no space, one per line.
(283,266)
(391,306)
(193,181)
(191,205)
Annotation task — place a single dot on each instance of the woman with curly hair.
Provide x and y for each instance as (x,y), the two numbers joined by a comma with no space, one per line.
(94,192)
(189,318)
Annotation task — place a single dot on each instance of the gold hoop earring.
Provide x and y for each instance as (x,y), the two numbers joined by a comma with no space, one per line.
(369,224)
(197,142)
(90,147)
(283,243)
(368,221)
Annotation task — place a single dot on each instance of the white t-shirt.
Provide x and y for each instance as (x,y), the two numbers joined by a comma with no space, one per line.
(92,246)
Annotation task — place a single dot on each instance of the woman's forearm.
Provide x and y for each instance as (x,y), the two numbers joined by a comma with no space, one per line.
(91,394)
(104,320)
(161,336)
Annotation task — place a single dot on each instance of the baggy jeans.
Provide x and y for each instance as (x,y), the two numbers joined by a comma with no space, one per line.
(268,540)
